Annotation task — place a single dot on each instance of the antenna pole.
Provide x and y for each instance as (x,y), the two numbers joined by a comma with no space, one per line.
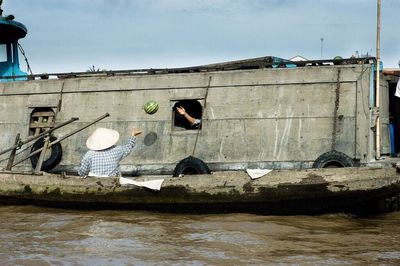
(322,46)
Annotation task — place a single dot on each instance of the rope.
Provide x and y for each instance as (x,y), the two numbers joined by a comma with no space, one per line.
(26,59)
(205,105)
(335,111)
(59,102)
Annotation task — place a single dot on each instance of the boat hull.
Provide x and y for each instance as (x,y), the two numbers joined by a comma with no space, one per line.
(311,191)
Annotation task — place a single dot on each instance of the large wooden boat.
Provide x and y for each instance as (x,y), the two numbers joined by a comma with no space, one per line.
(351,190)
(261,113)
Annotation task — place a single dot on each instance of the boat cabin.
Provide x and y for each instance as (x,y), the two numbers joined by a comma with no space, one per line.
(11,32)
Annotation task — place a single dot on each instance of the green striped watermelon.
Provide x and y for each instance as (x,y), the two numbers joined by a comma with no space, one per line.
(150,107)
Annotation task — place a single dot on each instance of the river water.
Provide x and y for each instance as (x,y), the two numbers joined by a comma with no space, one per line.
(43,236)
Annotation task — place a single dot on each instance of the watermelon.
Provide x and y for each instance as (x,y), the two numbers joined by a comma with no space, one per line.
(150,107)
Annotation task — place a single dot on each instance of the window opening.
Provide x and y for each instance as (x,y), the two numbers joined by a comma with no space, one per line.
(190,115)
(3,53)
(41,119)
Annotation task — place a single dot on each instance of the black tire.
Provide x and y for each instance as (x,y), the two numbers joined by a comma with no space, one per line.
(333,159)
(191,166)
(55,156)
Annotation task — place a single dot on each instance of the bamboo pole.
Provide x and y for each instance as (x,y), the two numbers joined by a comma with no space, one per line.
(64,137)
(377,80)
(42,154)
(39,136)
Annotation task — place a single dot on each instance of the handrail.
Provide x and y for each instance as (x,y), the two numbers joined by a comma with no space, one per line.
(259,62)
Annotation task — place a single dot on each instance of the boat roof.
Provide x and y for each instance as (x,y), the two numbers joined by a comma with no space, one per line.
(392,71)
(10,29)
(252,63)
(246,64)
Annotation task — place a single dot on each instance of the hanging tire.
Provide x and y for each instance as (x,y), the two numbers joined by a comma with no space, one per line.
(191,166)
(333,159)
(52,160)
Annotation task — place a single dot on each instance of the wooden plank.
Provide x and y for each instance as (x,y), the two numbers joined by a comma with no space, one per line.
(50,121)
(38,114)
(41,125)
(12,155)
(37,131)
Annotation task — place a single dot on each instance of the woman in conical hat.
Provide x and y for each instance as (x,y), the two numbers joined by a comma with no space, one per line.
(104,155)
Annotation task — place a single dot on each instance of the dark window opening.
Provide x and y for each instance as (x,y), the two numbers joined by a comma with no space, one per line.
(194,112)
(41,119)
(394,116)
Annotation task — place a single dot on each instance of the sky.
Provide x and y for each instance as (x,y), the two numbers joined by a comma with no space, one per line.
(75,35)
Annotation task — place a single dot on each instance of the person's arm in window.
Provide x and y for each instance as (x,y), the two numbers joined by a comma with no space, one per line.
(193,121)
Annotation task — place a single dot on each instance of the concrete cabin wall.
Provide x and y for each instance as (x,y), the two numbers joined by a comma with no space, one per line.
(278,118)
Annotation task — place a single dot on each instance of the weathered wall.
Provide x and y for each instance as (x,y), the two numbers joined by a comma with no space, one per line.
(281,118)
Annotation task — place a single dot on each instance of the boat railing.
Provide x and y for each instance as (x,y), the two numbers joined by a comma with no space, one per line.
(254,63)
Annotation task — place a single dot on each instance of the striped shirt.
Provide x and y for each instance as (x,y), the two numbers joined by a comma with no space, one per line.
(106,162)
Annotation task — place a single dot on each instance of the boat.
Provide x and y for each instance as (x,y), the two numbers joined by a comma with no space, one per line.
(359,191)
(321,127)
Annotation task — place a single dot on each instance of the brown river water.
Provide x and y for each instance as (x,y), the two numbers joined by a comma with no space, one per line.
(43,236)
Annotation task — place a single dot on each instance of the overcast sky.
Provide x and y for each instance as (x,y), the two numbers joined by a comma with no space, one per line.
(73,35)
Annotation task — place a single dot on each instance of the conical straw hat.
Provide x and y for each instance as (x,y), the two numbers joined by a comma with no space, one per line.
(102,138)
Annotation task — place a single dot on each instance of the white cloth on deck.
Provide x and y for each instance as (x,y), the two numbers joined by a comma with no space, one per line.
(151,184)
(257,173)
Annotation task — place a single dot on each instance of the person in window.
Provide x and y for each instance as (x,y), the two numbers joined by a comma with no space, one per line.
(194,122)
(103,157)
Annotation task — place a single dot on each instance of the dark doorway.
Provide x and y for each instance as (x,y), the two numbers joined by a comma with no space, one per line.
(394,111)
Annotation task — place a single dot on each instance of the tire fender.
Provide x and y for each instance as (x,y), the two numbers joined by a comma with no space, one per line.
(191,165)
(333,159)
(55,156)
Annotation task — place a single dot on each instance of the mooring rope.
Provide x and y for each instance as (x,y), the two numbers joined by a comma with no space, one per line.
(335,111)
(26,59)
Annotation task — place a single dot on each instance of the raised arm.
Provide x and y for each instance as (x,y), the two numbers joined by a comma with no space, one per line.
(127,148)
(189,118)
